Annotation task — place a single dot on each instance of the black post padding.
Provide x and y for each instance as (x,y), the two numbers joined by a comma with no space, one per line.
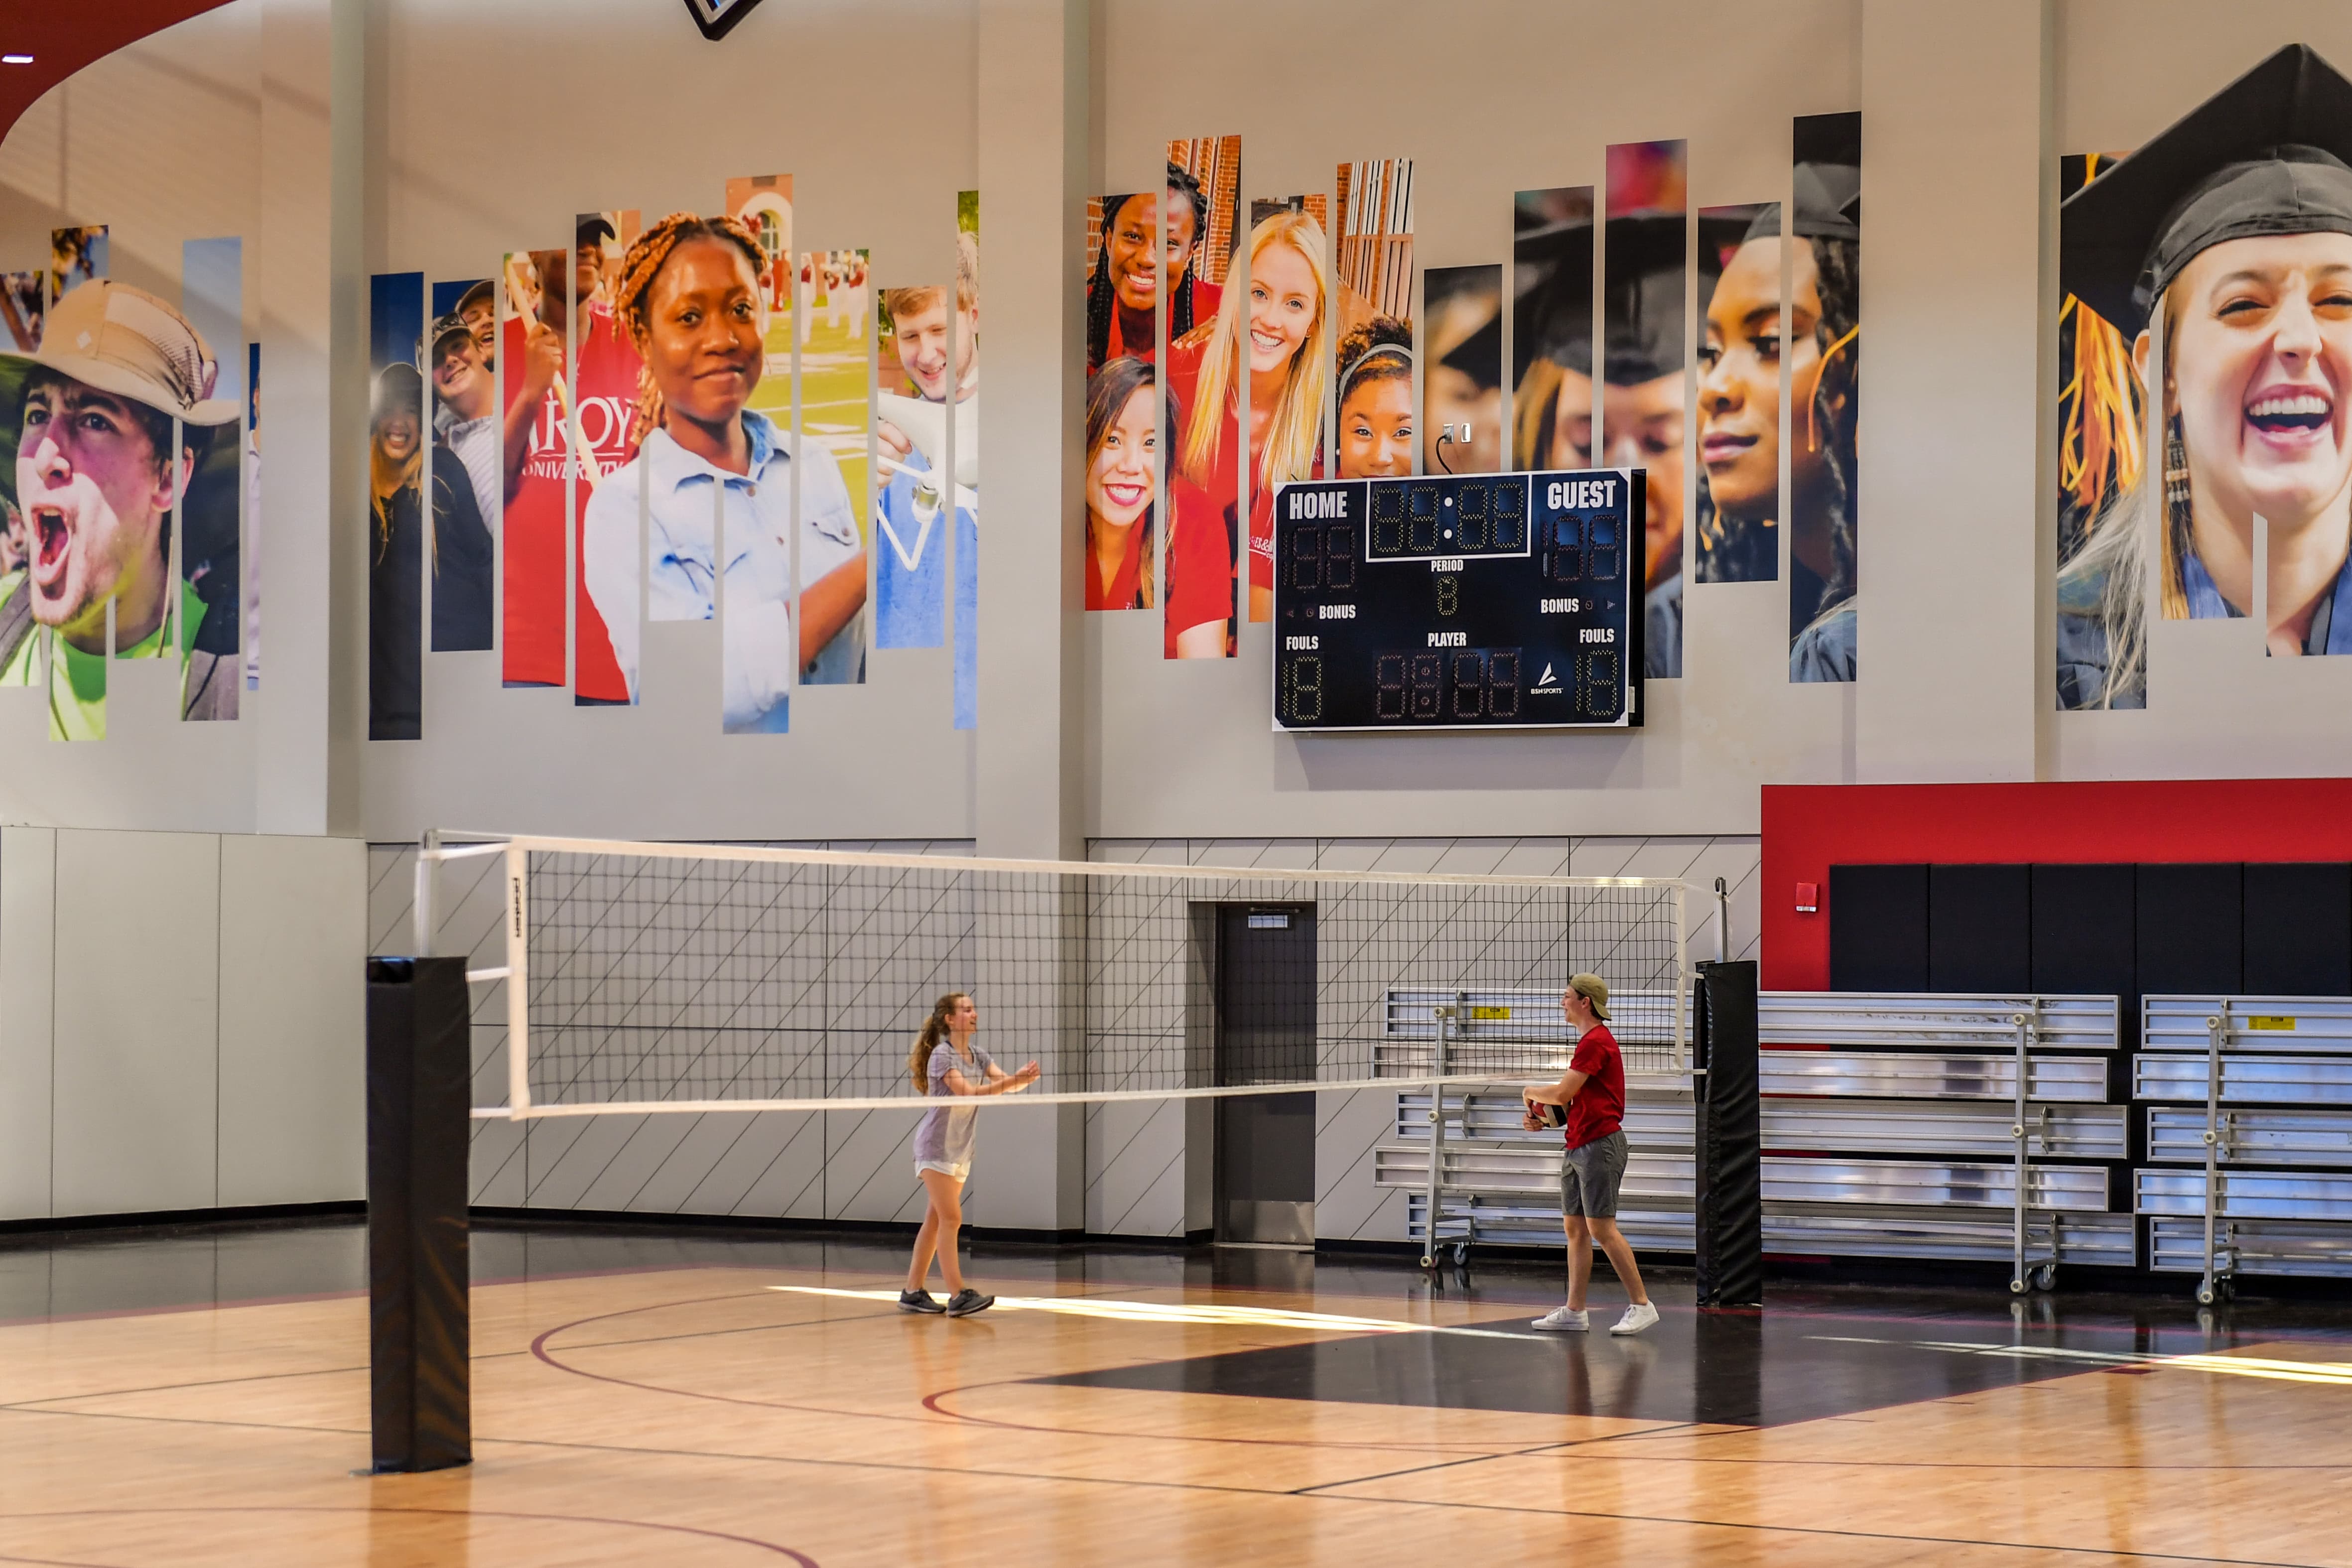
(419,1103)
(1730,1194)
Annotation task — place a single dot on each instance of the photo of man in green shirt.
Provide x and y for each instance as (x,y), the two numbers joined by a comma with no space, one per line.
(97,472)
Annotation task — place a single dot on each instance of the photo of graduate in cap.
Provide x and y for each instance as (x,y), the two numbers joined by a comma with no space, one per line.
(97,465)
(1642,422)
(2230,233)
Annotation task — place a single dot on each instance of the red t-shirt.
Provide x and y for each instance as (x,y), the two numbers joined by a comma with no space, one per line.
(606,386)
(1200,539)
(1598,1107)
(1119,593)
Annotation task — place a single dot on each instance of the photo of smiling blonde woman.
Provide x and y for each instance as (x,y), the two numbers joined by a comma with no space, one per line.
(2230,234)
(1122,471)
(1281,317)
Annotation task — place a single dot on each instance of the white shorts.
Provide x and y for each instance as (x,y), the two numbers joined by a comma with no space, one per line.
(960,1173)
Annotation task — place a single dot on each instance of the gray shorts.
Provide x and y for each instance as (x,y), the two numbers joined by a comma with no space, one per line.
(1590,1177)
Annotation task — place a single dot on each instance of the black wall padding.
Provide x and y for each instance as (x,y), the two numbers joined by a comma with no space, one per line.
(1729,1242)
(2191,929)
(1878,928)
(2299,930)
(419,1102)
(2086,930)
(1980,928)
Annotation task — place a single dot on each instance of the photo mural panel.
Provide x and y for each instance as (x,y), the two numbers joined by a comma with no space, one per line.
(1461,316)
(836,418)
(24,298)
(395,546)
(534,343)
(1207,321)
(2101,431)
(963,465)
(462,381)
(1824,326)
(1289,334)
(1646,286)
(252,560)
(2237,220)
(1375,382)
(114,435)
(1739,501)
(1123,422)
(76,256)
(605,372)
(926,356)
(212,542)
(1552,328)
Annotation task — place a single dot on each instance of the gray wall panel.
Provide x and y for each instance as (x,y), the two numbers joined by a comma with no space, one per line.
(138,1017)
(28,860)
(293,1023)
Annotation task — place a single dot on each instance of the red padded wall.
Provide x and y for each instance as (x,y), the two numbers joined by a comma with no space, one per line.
(1808,829)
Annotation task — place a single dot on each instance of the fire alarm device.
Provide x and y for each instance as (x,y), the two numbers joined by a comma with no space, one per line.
(1808,897)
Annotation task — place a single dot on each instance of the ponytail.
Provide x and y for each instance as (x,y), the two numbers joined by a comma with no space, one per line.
(934,1029)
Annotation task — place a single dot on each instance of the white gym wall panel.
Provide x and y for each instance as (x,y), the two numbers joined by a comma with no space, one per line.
(137,1060)
(183,1022)
(293,1021)
(28,865)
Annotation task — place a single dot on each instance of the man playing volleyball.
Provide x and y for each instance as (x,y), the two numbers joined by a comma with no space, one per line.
(1593,1090)
(944,1062)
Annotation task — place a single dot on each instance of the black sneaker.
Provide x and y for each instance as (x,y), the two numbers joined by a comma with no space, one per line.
(967,1301)
(920,1301)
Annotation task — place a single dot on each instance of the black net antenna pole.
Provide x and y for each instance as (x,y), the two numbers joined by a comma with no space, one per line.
(1730,1244)
(418,1121)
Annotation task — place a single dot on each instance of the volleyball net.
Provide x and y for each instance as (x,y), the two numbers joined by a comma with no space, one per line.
(646,977)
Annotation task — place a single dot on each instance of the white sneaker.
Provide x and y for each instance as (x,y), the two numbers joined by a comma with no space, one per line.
(1638,1316)
(1564,1321)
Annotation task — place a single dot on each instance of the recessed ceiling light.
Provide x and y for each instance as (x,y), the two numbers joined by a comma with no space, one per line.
(16,59)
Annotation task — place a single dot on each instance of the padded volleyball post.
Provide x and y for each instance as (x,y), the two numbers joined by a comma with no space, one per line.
(1730,1200)
(419,1109)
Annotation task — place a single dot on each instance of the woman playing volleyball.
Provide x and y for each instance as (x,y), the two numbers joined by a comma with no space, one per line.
(942,1063)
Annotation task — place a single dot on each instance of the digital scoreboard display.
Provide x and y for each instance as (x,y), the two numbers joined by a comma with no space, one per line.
(1476,602)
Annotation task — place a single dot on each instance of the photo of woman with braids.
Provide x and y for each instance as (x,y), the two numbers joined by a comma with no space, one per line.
(1130,267)
(689,298)
(2230,235)
(1376,400)
(1122,472)
(1286,326)
(1739,405)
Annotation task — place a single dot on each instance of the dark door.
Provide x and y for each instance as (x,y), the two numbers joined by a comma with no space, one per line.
(1265,1034)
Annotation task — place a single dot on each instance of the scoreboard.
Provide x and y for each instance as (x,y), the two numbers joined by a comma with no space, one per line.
(1469,602)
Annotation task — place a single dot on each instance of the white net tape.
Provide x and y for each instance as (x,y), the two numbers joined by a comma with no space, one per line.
(646,977)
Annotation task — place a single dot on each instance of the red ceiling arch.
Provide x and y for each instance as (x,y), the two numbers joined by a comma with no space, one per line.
(64,37)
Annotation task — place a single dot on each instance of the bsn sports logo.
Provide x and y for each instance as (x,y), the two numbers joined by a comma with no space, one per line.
(716,16)
(1546,679)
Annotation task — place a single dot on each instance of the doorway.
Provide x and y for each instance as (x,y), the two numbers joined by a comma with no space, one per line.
(1265,1143)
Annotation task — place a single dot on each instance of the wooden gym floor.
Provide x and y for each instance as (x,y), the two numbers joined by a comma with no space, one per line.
(192,1401)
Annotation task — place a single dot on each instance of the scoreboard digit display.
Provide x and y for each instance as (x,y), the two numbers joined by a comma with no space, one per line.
(1470,602)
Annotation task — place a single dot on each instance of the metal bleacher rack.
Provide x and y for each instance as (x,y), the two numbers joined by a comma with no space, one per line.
(2249,1107)
(1904,1127)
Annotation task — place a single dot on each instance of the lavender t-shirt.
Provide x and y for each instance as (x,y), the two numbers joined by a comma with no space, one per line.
(944,1135)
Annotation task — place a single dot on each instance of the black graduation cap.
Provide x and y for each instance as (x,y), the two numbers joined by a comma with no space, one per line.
(1828,203)
(2266,155)
(1642,302)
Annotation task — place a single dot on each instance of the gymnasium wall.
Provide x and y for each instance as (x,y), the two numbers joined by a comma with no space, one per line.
(480,128)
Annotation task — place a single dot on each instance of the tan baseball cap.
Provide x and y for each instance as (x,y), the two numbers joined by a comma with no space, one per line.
(1595,991)
(125,340)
